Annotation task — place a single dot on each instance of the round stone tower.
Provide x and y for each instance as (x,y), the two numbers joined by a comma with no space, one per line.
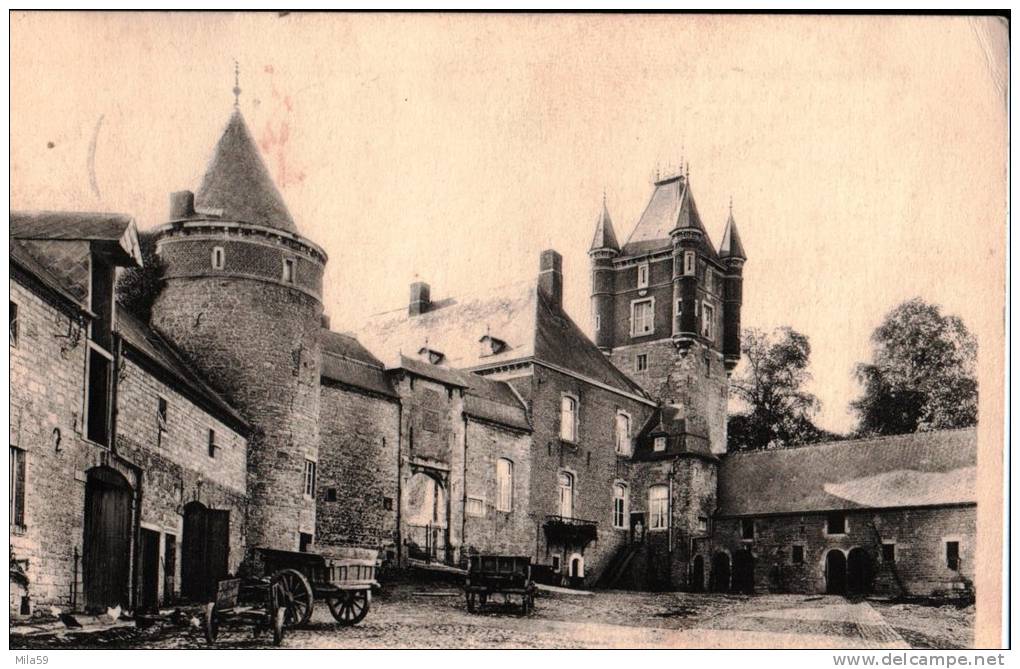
(242,300)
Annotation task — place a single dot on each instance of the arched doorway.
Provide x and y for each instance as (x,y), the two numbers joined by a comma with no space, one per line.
(425,512)
(835,572)
(205,547)
(698,574)
(720,578)
(106,547)
(743,571)
(859,572)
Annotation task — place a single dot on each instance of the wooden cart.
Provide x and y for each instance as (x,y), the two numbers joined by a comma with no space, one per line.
(264,613)
(507,575)
(344,577)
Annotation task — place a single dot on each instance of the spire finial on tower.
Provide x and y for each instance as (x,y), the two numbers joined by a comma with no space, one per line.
(731,206)
(237,84)
(687,170)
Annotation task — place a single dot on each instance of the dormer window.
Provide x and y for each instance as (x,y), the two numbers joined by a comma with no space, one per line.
(642,275)
(288,270)
(434,357)
(218,257)
(490,345)
(659,444)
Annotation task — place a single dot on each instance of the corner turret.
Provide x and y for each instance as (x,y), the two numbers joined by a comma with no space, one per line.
(604,248)
(731,252)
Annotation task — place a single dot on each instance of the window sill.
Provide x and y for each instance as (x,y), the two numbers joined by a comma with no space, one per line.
(658,529)
(18,530)
(573,445)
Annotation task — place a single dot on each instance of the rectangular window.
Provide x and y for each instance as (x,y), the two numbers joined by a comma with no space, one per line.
(387,503)
(658,507)
(556,562)
(212,443)
(747,528)
(14,324)
(888,552)
(101,302)
(689,264)
(475,506)
(305,542)
(835,523)
(161,427)
(217,257)
(702,525)
(566,482)
(288,270)
(620,506)
(309,478)
(598,322)
(505,485)
(642,318)
(623,433)
(98,398)
(708,321)
(642,276)
(568,419)
(953,555)
(659,444)
(330,494)
(17,487)
(798,555)
(641,362)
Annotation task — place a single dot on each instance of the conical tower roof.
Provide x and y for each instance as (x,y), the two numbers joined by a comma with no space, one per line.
(731,246)
(238,183)
(605,236)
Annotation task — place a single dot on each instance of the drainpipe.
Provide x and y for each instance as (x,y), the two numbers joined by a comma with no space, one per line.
(400,495)
(463,506)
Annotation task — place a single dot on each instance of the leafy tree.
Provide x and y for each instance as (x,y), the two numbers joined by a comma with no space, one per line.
(771,386)
(138,287)
(922,375)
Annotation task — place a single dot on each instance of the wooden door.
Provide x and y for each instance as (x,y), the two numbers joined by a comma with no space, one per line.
(169,569)
(204,551)
(835,573)
(106,547)
(148,576)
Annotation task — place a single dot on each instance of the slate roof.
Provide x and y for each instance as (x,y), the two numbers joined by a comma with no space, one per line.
(670,206)
(238,182)
(921,469)
(113,234)
(605,235)
(731,247)
(531,326)
(345,360)
(21,254)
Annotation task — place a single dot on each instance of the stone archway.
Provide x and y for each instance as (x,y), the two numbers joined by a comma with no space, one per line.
(106,546)
(859,572)
(835,572)
(426,513)
(720,577)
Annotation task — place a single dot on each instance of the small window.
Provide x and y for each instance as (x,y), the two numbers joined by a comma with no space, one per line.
(658,507)
(387,503)
(288,270)
(689,264)
(566,485)
(309,478)
(568,418)
(835,523)
(953,555)
(747,528)
(17,488)
(642,318)
(556,563)
(14,324)
(505,485)
(623,441)
(475,506)
(598,322)
(702,525)
(217,257)
(642,276)
(212,443)
(330,494)
(659,444)
(708,321)
(161,426)
(620,506)
(641,362)
(98,398)
(889,553)
(798,555)
(305,541)
(679,308)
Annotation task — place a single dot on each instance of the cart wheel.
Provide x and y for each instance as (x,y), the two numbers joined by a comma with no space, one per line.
(211,624)
(294,595)
(278,626)
(350,607)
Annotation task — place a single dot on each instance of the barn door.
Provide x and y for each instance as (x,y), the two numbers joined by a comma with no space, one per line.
(218,545)
(149,570)
(204,551)
(106,548)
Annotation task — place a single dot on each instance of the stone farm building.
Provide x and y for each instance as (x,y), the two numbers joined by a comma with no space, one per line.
(148,458)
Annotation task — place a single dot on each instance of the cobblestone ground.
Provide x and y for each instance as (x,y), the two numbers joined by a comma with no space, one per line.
(435,616)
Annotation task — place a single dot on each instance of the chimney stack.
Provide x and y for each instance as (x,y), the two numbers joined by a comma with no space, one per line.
(325,321)
(420,299)
(550,276)
(182,205)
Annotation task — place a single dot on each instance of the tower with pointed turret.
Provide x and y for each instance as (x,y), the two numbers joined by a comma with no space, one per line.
(242,299)
(666,306)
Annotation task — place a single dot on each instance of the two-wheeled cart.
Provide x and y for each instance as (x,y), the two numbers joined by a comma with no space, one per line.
(506,575)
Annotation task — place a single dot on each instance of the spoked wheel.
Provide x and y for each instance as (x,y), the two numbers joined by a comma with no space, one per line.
(294,596)
(212,626)
(349,607)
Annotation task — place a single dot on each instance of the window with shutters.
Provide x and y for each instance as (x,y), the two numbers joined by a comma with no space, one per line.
(17,488)
(504,485)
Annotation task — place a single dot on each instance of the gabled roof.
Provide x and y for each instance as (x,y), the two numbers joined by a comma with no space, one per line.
(731,246)
(114,235)
(345,360)
(531,326)
(605,236)
(237,183)
(671,206)
(921,469)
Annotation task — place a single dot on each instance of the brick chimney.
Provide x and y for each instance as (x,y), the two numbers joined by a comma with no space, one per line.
(420,300)
(550,276)
(182,205)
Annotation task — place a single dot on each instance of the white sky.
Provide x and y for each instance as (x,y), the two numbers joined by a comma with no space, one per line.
(865,156)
